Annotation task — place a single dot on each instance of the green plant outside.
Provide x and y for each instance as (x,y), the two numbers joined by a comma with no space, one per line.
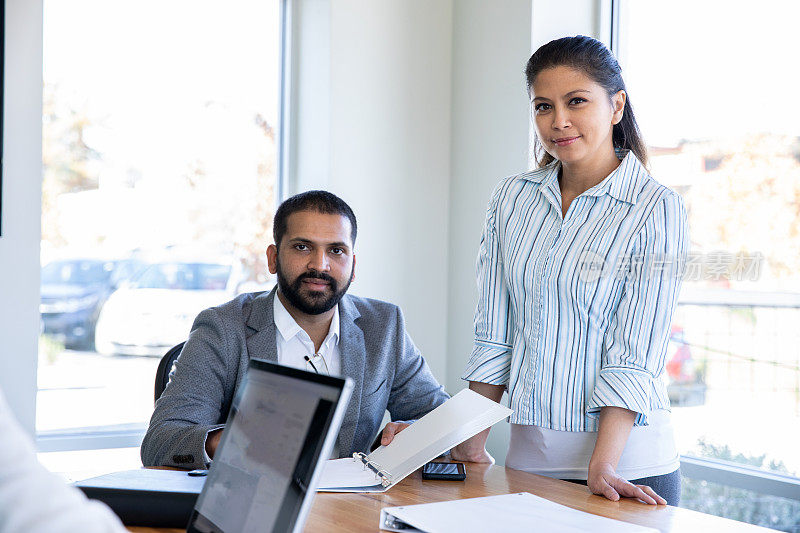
(740,504)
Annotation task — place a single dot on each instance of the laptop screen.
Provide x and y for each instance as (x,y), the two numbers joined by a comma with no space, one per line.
(274,437)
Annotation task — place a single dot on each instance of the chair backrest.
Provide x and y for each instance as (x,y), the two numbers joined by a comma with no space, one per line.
(164,368)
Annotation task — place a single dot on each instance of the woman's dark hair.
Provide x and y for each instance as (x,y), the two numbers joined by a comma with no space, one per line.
(591,57)
(323,202)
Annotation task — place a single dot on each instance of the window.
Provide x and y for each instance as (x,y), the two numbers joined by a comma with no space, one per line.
(159,155)
(712,85)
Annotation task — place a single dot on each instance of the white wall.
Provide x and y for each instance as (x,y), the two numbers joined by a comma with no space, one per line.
(552,19)
(491,43)
(308,165)
(383,145)
(21,209)
(390,143)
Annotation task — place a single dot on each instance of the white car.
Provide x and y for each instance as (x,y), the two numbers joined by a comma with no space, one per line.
(156,310)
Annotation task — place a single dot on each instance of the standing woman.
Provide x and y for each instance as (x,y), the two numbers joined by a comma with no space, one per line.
(578,274)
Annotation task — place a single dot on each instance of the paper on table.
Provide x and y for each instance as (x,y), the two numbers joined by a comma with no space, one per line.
(507,513)
(349,475)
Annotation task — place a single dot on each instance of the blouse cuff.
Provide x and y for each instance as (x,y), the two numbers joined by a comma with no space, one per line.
(490,362)
(629,388)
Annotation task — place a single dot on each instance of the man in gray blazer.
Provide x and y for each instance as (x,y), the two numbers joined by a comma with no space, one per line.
(328,329)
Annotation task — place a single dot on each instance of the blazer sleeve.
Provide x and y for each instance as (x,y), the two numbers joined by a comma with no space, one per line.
(193,404)
(415,392)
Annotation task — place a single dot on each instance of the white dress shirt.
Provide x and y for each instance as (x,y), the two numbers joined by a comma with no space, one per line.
(34,500)
(294,344)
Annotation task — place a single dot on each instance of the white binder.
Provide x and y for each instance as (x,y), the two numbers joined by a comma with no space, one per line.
(459,418)
(509,513)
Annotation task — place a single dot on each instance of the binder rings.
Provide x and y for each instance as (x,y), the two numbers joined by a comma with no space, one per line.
(462,416)
(383,475)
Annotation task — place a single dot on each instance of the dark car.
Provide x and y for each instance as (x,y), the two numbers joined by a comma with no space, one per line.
(73,292)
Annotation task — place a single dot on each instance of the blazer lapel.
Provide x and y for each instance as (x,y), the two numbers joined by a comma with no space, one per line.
(261,344)
(353,354)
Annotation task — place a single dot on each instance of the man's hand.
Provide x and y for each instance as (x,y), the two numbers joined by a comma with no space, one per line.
(604,481)
(212,441)
(392,429)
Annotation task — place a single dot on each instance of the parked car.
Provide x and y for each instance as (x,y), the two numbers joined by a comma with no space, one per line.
(155,311)
(72,293)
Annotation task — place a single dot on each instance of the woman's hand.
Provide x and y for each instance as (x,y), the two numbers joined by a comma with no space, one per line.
(604,481)
(615,426)
(472,451)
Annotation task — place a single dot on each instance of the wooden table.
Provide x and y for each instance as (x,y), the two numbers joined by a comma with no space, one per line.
(352,512)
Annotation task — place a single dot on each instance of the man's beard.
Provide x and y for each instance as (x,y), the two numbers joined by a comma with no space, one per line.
(318,302)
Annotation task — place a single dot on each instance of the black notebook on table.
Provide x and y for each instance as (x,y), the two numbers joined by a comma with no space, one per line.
(147,497)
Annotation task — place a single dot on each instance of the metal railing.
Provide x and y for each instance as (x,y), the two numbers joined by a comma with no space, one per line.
(728,362)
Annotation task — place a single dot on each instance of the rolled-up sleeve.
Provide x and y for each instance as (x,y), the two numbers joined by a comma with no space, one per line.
(490,360)
(635,344)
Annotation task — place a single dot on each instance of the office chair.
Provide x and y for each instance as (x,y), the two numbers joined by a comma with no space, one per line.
(164,368)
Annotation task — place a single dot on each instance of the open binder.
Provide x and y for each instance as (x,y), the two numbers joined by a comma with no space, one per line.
(459,418)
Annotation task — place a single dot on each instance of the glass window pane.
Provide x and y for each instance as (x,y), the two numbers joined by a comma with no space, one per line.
(743,505)
(711,84)
(159,129)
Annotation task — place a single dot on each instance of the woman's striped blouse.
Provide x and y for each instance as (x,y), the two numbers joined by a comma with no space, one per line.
(574,312)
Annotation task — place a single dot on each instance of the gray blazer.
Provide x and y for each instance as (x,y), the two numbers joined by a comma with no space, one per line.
(376,352)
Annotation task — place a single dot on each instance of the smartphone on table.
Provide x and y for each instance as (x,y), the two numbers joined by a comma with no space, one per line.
(445,471)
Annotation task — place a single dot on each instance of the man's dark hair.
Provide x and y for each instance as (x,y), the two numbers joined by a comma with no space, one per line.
(320,201)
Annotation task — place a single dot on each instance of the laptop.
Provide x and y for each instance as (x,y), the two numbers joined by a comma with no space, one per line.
(264,474)
(265,470)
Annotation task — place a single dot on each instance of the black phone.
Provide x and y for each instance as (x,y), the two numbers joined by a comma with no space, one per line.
(448,471)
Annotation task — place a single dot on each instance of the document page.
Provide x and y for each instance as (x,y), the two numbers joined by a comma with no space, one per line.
(348,475)
(509,513)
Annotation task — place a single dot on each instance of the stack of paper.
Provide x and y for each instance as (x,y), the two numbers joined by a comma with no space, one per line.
(462,416)
(508,513)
